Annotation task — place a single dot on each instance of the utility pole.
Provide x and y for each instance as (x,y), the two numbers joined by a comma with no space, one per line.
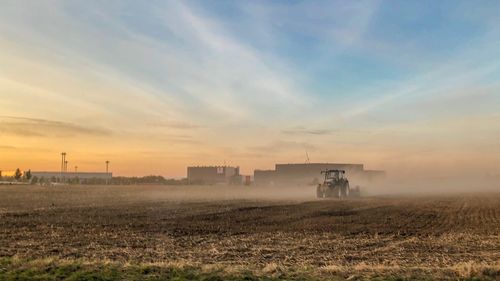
(65,168)
(107,171)
(63,160)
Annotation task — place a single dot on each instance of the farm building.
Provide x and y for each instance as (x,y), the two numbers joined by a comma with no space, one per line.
(307,173)
(213,175)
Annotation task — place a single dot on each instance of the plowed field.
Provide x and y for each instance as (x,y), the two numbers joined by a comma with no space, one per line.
(455,236)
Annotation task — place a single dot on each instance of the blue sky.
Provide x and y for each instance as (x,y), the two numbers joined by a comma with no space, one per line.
(390,84)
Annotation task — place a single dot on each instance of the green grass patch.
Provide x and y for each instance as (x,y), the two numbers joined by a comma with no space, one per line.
(48,270)
(75,270)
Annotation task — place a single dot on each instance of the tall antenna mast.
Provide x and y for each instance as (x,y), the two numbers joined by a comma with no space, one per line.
(307,158)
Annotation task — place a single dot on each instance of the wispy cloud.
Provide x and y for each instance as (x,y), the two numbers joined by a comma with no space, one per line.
(231,77)
(7,147)
(304,131)
(277,147)
(32,127)
(466,69)
(174,125)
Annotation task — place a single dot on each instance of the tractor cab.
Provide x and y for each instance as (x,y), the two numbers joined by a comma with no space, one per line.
(333,175)
(335,184)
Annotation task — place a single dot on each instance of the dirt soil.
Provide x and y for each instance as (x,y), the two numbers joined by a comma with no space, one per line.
(455,235)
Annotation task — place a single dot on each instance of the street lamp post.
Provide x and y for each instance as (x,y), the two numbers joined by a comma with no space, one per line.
(107,171)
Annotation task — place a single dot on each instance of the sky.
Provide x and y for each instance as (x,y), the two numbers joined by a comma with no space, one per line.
(155,86)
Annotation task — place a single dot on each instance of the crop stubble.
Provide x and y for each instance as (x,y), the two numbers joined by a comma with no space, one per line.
(145,224)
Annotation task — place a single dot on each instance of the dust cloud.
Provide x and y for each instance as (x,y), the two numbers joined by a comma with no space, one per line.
(44,197)
(396,185)
(222,192)
(16,198)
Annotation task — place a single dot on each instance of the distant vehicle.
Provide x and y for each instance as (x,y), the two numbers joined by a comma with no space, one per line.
(336,185)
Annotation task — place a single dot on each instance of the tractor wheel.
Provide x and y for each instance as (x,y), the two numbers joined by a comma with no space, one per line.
(342,191)
(319,192)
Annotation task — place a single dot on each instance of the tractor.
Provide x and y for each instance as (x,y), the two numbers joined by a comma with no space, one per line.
(335,185)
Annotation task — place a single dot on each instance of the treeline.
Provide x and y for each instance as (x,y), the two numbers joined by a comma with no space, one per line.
(18,176)
(27,178)
(113,181)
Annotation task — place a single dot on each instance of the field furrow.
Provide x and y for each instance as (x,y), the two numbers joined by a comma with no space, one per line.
(405,232)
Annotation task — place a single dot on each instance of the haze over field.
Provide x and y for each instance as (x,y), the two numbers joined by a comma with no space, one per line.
(154,86)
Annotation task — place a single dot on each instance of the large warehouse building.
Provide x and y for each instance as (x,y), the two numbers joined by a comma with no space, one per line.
(298,174)
(213,175)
